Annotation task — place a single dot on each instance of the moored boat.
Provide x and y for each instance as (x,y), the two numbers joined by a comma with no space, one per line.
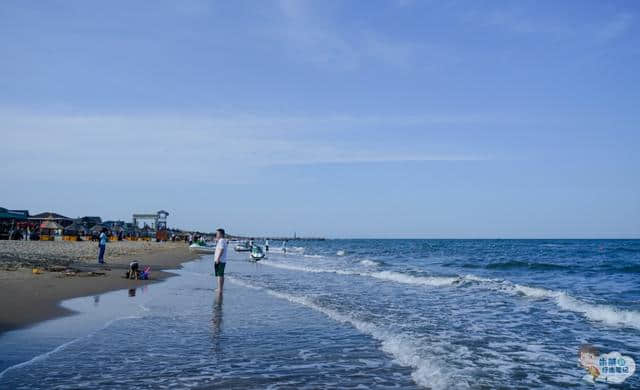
(242,247)
(199,248)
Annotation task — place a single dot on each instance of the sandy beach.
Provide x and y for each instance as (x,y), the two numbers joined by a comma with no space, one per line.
(68,270)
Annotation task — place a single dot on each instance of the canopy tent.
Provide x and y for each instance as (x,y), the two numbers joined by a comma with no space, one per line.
(48,224)
(76,229)
(48,230)
(98,228)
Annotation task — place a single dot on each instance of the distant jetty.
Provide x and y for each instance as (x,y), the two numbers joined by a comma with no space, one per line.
(275,238)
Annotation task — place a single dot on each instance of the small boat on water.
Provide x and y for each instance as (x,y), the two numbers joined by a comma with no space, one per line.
(256,253)
(243,247)
(202,248)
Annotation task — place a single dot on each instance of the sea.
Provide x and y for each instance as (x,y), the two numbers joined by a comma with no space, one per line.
(351,314)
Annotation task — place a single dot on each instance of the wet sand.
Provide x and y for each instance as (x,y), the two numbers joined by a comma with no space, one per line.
(27,298)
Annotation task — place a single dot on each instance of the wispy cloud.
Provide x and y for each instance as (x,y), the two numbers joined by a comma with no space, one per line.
(614,27)
(170,146)
(517,19)
(318,40)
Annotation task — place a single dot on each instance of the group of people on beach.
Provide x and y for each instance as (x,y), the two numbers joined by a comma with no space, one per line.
(219,258)
(19,234)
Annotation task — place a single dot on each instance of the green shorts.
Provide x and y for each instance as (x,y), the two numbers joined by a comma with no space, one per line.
(219,268)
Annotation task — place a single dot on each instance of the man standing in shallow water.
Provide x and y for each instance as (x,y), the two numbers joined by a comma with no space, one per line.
(220,258)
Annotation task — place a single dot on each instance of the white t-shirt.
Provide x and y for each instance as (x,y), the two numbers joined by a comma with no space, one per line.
(221,246)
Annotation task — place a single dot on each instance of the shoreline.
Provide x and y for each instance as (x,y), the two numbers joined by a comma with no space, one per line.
(27,299)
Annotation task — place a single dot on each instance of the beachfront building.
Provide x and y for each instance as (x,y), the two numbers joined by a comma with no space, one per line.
(52,223)
(51,216)
(13,223)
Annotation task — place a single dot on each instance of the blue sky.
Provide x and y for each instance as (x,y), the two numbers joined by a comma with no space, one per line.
(333,118)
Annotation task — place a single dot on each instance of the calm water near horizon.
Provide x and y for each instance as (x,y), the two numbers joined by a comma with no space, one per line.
(351,314)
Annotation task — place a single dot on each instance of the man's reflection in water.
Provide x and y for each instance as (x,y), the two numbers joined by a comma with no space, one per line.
(96,300)
(132,292)
(216,322)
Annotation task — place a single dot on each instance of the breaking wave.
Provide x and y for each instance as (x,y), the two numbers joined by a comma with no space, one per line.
(606,314)
(369,263)
(426,371)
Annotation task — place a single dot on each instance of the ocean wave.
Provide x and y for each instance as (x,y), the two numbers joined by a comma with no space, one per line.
(426,372)
(369,263)
(302,268)
(635,268)
(290,249)
(340,253)
(418,280)
(605,314)
(382,275)
(625,249)
(515,264)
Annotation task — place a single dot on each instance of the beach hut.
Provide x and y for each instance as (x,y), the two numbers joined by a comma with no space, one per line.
(117,233)
(96,230)
(48,230)
(74,231)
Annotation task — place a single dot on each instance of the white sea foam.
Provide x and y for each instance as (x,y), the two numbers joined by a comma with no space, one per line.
(426,372)
(383,275)
(290,249)
(340,253)
(314,256)
(606,314)
(419,280)
(292,267)
(474,278)
(609,315)
(369,263)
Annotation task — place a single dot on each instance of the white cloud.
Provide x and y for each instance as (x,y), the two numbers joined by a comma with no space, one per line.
(519,20)
(615,27)
(318,40)
(40,145)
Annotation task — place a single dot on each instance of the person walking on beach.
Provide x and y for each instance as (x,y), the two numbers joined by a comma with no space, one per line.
(266,245)
(220,258)
(102,246)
